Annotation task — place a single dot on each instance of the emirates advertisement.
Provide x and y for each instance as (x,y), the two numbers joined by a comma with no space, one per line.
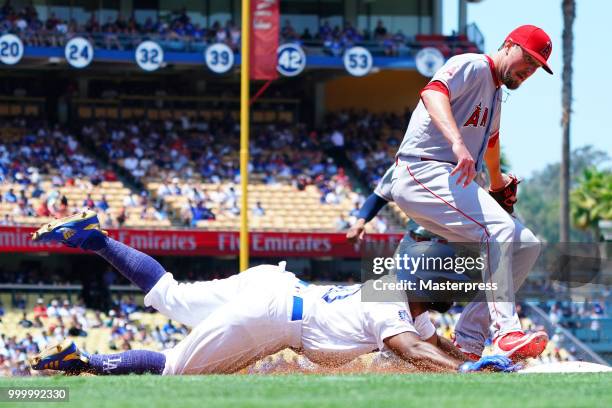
(210,243)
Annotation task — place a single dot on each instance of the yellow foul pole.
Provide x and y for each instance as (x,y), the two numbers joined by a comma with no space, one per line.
(244,133)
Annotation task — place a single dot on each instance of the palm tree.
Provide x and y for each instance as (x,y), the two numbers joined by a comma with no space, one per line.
(569,14)
(592,201)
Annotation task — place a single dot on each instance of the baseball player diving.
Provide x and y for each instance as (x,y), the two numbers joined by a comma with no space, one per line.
(253,314)
(453,133)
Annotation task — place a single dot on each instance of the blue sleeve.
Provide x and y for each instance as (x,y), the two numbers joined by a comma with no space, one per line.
(371,207)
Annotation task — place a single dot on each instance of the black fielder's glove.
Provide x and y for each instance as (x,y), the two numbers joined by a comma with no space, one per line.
(506,196)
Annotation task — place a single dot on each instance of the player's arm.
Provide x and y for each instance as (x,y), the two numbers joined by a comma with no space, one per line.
(493,161)
(422,354)
(372,206)
(449,348)
(438,106)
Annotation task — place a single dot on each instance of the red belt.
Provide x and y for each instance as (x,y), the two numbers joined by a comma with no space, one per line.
(428,159)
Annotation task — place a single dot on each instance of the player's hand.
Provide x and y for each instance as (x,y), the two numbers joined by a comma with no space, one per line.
(499,182)
(492,363)
(465,164)
(356,232)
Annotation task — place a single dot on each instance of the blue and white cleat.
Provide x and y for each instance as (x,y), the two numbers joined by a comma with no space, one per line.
(64,356)
(72,231)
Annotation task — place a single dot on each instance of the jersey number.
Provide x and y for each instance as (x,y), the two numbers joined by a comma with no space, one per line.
(340,292)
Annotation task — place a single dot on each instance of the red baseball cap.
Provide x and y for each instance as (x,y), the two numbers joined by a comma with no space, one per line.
(535,41)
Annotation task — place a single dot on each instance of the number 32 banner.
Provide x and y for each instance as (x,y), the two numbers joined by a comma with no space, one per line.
(149,55)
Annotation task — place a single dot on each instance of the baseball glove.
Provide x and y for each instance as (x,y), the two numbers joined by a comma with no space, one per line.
(506,196)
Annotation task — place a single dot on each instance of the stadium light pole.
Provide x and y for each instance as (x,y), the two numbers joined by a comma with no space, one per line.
(244,133)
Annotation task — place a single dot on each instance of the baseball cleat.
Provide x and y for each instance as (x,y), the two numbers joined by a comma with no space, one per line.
(520,345)
(72,231)
(64,356)
(467,354)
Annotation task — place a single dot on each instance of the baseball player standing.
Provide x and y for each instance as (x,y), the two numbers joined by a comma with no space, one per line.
(453,133)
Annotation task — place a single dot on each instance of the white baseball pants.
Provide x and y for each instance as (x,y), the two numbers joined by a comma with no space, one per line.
(235,321)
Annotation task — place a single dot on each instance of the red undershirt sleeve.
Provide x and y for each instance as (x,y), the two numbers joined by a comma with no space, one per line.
(438,86)
(493,139)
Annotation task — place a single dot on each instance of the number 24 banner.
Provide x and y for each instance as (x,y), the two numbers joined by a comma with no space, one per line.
(264,38)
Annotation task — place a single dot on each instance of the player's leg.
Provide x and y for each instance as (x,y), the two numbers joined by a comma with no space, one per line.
(427,191)
(187,303)
(236,335)
(67,357)
(472,329)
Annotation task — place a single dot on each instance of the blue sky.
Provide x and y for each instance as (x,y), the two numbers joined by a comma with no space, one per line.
(530,124)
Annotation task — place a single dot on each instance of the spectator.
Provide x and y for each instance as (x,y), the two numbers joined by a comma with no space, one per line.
(40,310)
(53,308)
(122,216)
(7,220)
(89,202)
(337,139)
(342,224)
(103,204)
(169,328)
(25,322)
(258,211)
(380,32)
(10,196)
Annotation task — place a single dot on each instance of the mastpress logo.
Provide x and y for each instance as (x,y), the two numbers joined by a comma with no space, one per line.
(412,264)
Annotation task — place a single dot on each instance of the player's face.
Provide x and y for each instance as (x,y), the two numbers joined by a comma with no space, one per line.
(520,66)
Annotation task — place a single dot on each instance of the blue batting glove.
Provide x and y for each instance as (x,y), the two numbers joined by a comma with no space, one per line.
(496,363)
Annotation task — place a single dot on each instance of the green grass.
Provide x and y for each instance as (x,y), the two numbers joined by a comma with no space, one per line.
(372,391)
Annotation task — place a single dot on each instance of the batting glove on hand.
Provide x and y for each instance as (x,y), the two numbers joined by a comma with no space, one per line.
(495,363)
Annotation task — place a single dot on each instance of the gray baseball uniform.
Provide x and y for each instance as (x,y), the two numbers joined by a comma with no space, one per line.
(476,106)
(424,189)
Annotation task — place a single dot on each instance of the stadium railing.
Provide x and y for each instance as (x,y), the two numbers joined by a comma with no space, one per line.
(567,340)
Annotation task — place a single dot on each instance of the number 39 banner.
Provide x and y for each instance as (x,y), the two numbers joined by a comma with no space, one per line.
(219,58)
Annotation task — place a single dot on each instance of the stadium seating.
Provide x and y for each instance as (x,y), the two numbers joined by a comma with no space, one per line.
(286,207)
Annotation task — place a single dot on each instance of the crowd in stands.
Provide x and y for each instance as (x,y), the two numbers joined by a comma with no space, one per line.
(370,140)
(128,326)
(182,153)
(336,39)
(175,29)
(42,151)
(125,326)
(584,316)
(39,152)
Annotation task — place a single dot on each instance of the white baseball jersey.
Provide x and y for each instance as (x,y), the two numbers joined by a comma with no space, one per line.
(337,324)
(475,99)
(246,317)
